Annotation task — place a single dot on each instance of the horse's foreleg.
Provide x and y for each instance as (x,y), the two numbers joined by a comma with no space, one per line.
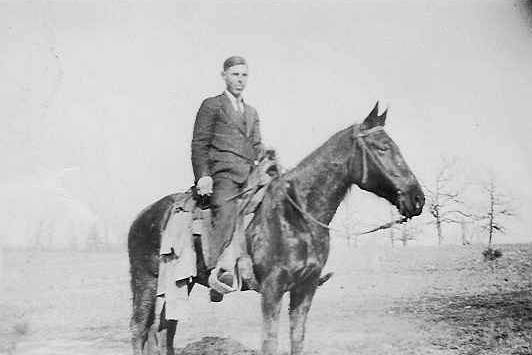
(271,307)
(300,301)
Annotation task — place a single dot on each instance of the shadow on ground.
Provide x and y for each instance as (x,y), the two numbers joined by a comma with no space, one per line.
(498,323)
(215,346)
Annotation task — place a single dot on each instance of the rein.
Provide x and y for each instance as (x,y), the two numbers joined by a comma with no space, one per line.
(346,232)
(365,151)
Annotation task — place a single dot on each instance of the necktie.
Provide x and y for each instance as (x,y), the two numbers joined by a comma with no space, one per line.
(240,112)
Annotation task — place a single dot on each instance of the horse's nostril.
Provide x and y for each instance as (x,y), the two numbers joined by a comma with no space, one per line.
(418,202)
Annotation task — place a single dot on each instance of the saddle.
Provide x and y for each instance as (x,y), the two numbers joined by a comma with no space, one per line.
(189,219)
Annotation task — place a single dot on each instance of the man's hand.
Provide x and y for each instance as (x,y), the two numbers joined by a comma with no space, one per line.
(204,186)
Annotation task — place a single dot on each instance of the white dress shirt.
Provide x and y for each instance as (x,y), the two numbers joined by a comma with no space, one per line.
(238,104)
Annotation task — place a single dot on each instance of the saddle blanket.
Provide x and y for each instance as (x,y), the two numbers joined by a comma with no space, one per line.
(177,255)
(177,258)
(184,220)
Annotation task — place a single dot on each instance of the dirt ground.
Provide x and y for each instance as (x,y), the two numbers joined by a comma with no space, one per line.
(413,300)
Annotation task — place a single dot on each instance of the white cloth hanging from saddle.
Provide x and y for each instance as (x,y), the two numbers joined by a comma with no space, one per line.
(175,301)
(177,254)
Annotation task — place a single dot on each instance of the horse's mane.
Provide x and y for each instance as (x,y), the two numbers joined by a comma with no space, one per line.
(321,153)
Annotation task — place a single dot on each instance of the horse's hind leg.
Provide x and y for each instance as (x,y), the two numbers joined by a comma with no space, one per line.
(144,293)
(170,334)
(166,333)
(300,301)
(161,341)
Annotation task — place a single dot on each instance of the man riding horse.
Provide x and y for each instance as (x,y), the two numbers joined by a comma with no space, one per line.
(288,235)
(226,146)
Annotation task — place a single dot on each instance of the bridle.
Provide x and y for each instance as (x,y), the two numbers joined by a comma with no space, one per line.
(359,136)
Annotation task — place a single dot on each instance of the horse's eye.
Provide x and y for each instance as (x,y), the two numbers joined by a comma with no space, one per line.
(381,147)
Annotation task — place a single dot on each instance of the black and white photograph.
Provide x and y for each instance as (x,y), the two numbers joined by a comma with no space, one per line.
(266,177)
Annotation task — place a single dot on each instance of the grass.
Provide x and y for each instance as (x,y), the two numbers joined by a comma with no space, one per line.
(414,300)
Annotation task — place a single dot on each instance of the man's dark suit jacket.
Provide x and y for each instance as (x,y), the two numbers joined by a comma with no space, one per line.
(225,143)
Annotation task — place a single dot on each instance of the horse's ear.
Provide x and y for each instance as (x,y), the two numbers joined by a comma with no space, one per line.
(373,119)
(375,112)
(382,117)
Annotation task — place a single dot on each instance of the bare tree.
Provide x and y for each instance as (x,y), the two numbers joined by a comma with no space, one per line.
(444,199)
(408,232)
(391,231)
(94,240)
(348,222)
(403,232)
(496,210)
(464,227)
(42,235)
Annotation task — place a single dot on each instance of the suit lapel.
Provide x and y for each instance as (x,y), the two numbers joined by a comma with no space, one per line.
(233,116)
(249,120)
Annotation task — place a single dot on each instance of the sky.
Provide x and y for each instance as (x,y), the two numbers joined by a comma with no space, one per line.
(100,97)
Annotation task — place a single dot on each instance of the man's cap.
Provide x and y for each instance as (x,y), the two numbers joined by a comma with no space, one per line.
(234,60)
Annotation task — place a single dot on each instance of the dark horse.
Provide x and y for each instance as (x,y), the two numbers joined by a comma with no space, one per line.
(287,239)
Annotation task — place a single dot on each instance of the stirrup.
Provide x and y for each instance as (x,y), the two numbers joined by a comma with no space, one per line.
(217,285)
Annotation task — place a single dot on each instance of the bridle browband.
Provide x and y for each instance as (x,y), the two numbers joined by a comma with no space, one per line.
(366,132)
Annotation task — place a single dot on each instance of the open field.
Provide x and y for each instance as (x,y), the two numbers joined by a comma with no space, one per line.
(414,300)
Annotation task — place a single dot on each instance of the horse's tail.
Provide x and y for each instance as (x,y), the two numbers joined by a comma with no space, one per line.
(144,239)
(144,244)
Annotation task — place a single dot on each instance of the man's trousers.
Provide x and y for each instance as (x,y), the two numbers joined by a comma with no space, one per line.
(223,217)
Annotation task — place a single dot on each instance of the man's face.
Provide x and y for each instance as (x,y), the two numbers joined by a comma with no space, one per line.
(236,78)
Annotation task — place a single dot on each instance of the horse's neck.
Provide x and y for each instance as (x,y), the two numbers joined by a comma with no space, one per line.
(322,178)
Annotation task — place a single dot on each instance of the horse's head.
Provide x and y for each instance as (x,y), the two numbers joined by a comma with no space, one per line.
(379,167)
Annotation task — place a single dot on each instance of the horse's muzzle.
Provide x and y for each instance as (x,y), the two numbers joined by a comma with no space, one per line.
(410,204)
